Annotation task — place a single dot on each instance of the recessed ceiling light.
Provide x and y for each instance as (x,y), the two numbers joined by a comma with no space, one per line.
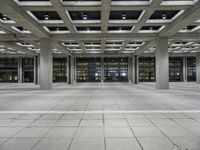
(124,16)
(84,16)
(4,17)
(46,17)
(164,16)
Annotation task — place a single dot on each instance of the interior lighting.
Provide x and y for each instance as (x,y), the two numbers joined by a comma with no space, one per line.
(164,16)
(46,17)
(4,17)
(123,16)
(85,16)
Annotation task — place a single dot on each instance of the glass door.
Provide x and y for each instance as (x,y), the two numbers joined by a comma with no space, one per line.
(88,69)
(191,69)
(60,69)
(8,70)
(146,69)
(28,69)
(115,69)
(175,69)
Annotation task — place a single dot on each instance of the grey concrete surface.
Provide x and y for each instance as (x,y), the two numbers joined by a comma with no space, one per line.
(100,131)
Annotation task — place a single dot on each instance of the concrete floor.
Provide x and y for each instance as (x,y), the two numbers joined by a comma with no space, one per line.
(109,116)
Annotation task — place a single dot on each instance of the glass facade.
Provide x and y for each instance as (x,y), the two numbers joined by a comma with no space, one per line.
(147,69)
(175,69)
(28,69)
(115,69)
(60,69)
(191,69)
(88,69)
(8,70)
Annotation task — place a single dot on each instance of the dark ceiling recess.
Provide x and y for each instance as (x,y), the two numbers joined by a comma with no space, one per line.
(46,15)
(33,0)
(92,43)
(115,28)
(3,17)
(57,28)
(125,15)
(150,28)
(71,43)
(79,0)
(88,28)
(130,0)
(189,27)
(178,0)
(139,43)
(118,43)
(181,42)
(21,28)
(85,15)
(164,14)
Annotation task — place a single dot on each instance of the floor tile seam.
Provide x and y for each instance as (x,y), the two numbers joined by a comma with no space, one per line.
(134,135)
(76,130)
(164,134)
(13,136)
(43,136)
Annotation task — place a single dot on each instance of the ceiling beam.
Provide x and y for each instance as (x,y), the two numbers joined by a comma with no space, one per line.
(16,13)
(18,48)
(146,46)
(187,18)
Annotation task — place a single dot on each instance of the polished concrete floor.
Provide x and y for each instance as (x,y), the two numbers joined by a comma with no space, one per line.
(109,116)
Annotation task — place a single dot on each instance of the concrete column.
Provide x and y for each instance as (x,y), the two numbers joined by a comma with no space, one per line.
(198,67)
(134,70)
(38,70)
(184,69)
(75,70)
(20,71)
(70,70)
(35,69)
(46,61)
(137,69)
(162,63)
(102,69)
(130,69)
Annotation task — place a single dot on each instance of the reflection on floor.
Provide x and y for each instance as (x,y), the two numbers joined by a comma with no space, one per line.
(100,131)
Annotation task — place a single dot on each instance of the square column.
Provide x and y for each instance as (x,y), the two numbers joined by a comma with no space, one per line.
(162,63)
(184,69)
(20,72)
(75,70)
(130,69)
(46,61)
(134,70)
(198,67)
(102,69)
(71,69)
(35,69)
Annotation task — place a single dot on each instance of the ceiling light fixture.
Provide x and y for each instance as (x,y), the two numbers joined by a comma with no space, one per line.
(46,17)
(4,17)
(124,16)
(164,16)
(85,16)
